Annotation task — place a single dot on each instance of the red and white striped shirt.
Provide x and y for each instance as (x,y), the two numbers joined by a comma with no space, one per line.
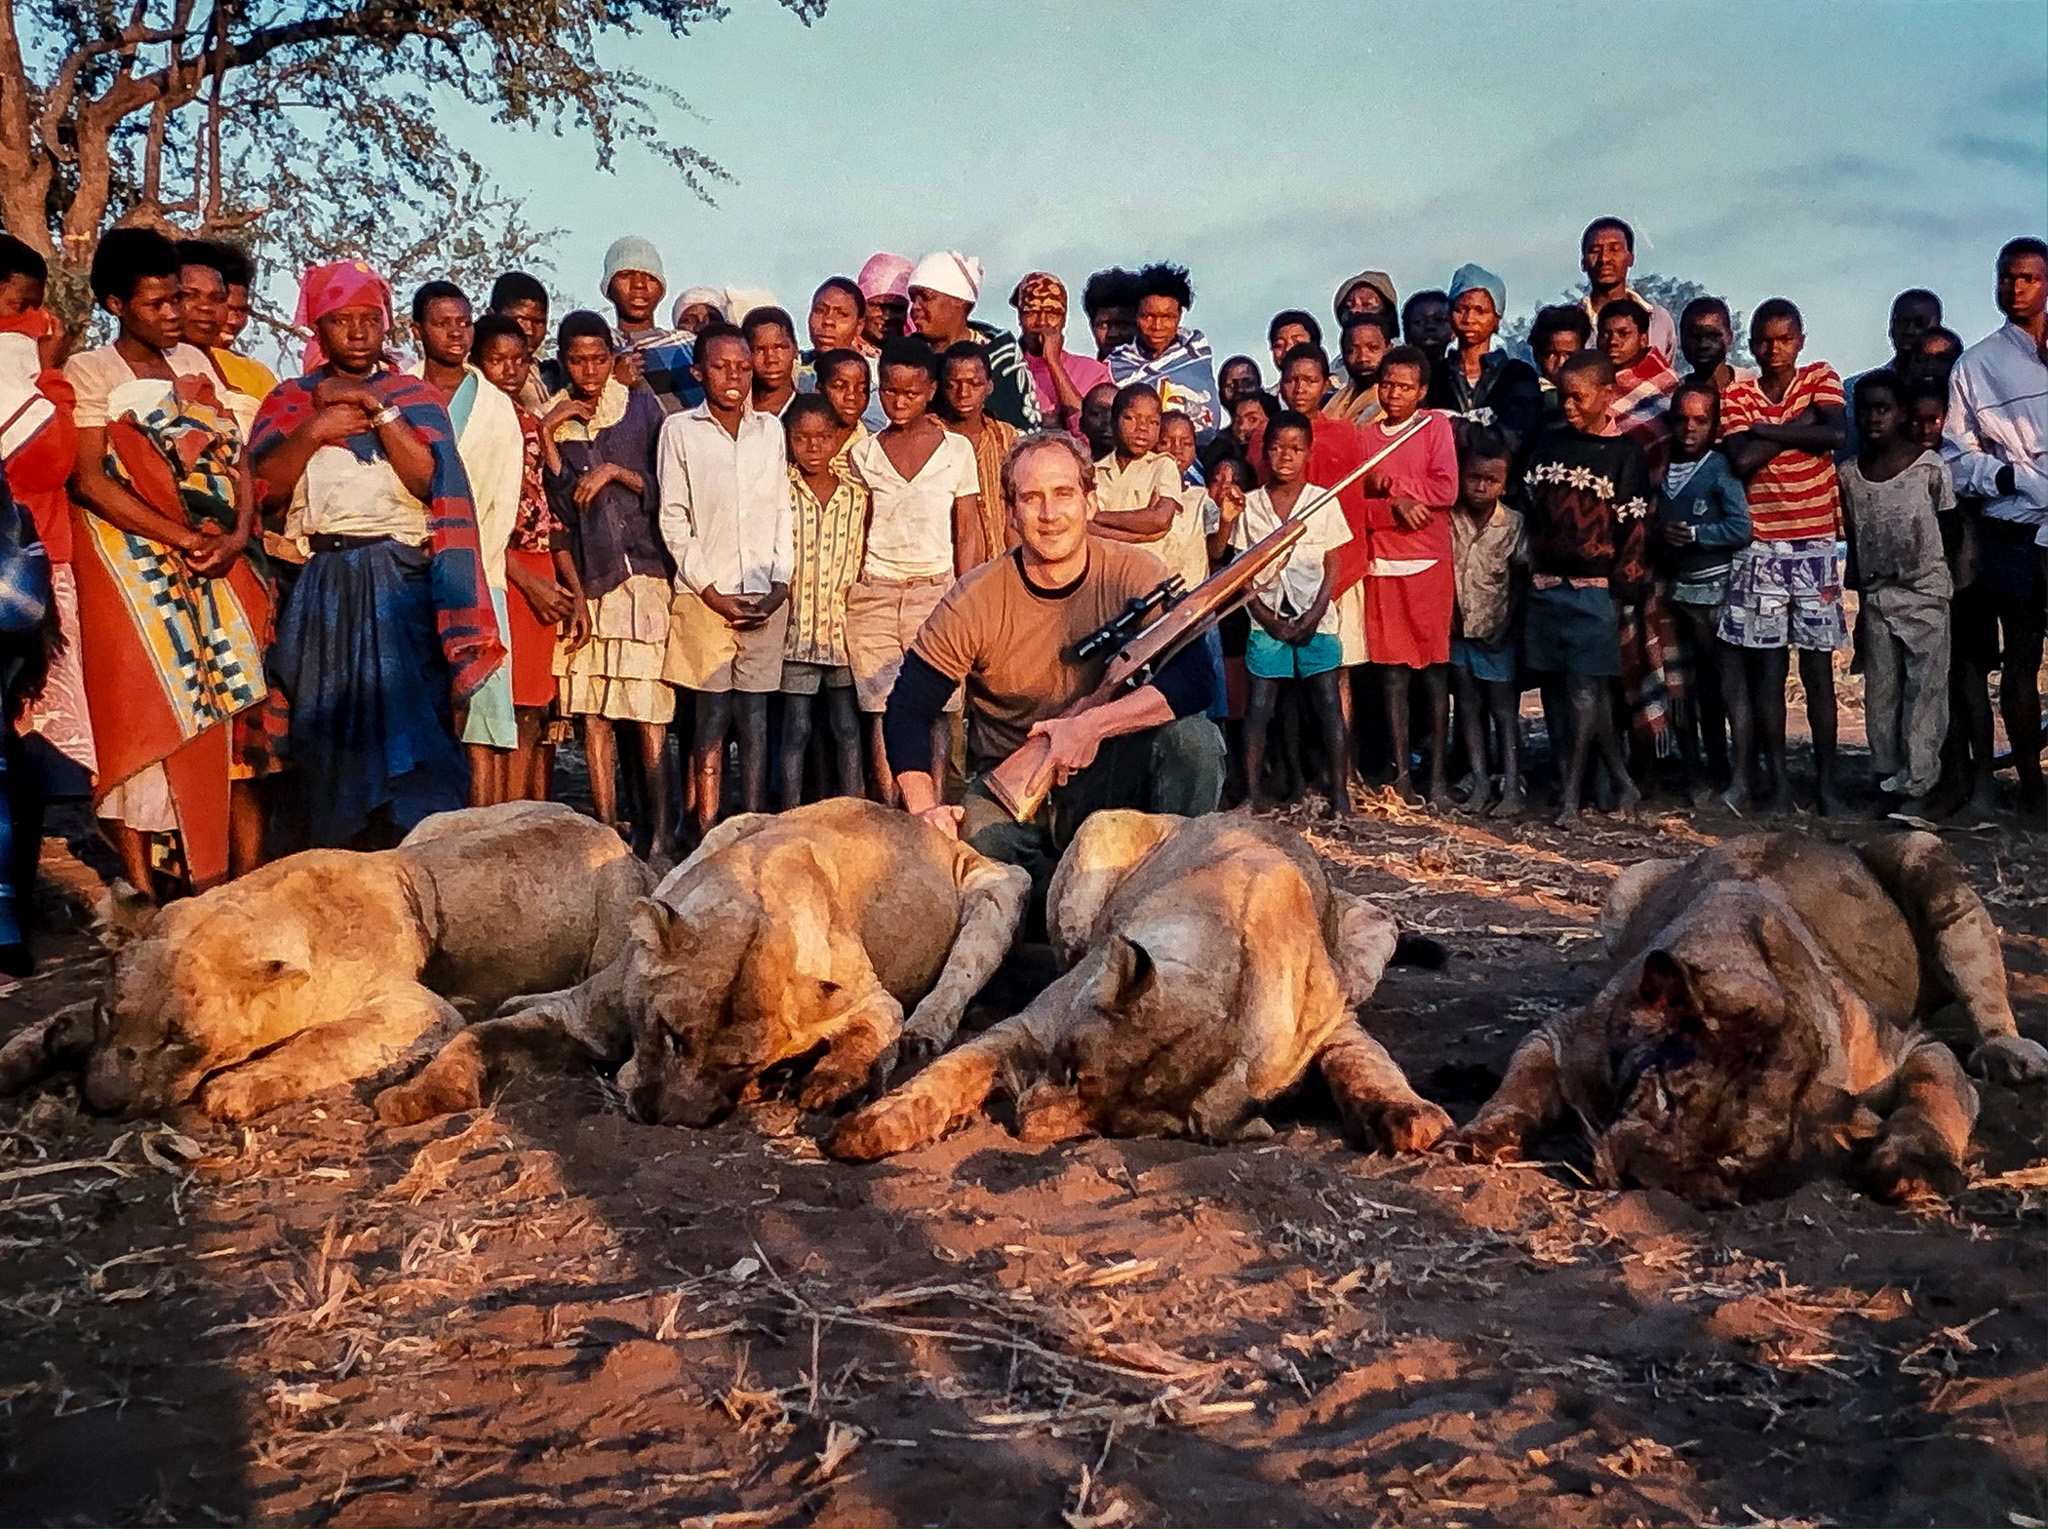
(1794,496)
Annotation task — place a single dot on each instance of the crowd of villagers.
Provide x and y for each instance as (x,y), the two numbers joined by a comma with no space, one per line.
(244,615)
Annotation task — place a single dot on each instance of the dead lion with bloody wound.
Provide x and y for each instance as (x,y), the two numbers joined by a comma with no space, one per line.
(1760,1025)
(1208,963)
(802,936)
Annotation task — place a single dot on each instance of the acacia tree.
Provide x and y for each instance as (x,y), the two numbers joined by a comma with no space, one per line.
(308,126)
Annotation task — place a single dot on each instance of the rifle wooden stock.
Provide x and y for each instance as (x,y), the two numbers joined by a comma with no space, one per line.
(1023,781)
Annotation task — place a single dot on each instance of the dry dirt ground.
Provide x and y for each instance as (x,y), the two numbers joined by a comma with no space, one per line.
(548,1313)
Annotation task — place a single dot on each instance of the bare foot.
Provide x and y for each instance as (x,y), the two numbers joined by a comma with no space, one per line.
(1404,790)
(1511,805)
(1629,804)
(1567,817)
(1736,800)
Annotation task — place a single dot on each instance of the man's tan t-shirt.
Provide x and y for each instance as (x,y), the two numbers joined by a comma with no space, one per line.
(1013,645)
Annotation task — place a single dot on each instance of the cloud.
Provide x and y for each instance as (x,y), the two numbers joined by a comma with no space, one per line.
(2025,156)
(2022,95)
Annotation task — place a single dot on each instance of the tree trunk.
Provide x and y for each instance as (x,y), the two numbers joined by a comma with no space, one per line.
(24,173)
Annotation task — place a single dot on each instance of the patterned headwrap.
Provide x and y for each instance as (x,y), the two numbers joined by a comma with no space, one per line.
(1040,292)
(326,289)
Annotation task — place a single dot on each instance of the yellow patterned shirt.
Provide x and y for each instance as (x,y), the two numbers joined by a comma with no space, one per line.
(831,539)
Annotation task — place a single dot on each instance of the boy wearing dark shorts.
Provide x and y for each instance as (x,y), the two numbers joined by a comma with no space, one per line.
(1588,504)
(1490,557)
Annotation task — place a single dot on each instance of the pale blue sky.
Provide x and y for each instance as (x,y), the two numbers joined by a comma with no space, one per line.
(1829,152)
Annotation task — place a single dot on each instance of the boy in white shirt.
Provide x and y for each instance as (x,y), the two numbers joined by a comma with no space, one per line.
(726,516)
(1294,622)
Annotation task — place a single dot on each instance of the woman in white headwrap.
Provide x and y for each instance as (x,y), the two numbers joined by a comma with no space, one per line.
(943,290)
(697,307)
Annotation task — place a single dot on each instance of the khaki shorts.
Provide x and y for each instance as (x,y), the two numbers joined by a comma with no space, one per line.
(705,653)
(809,679)
(883,617)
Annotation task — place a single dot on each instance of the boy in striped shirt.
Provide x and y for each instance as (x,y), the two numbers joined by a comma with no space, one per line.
(1780,432)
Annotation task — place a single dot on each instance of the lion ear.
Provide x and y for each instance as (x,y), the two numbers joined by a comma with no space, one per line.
(655,925)
(1780,946)
(1131,971)
(1666,989)
(122,918)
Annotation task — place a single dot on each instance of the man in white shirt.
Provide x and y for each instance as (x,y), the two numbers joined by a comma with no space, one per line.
(726,516)
(1996,439)
(1996,445)
(1606,251)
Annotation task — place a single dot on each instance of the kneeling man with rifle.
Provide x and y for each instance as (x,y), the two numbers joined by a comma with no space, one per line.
(1056,730)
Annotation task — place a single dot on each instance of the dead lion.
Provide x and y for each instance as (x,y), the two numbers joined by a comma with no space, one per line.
(1208,963)
(1759,1025)
(781,936)
(332,965)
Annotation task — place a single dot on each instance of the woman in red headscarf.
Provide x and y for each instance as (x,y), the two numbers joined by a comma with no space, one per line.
(390,629)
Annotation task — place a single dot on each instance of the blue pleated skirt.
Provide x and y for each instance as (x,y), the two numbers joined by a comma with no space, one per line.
(372,724)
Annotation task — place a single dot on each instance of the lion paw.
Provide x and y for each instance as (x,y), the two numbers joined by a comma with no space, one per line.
(886,1127)
(1903,1169)
(2010,1059)
(1412,1125)
(917,1049)
(1498,1140)
(435,1092)
(233,1097)
(1050,1112)
(827,1085)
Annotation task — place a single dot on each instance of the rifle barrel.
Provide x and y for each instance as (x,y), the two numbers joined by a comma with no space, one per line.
(1301,513)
